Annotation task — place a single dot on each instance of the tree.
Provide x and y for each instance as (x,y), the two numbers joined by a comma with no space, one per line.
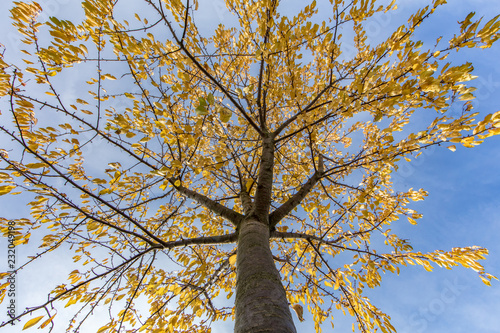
(256,159)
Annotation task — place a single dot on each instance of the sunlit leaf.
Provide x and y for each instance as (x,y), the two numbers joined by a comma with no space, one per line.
(32,322)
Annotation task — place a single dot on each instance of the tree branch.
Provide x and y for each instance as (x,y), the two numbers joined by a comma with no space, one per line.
(82,189)
(75,287)
(229,238)
(296,235)
(215,207)
(308,107)
(265,180)
(216,82)
(185,23)
(246,202)
(282,211)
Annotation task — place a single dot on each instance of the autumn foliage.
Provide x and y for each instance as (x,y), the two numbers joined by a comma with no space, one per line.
(166,156)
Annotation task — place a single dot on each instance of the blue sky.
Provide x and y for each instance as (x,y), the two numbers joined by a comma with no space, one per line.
(462,209)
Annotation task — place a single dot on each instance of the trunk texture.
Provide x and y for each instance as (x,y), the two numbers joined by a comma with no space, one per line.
(261,303)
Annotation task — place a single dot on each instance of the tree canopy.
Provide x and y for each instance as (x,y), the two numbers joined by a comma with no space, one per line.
(190,163)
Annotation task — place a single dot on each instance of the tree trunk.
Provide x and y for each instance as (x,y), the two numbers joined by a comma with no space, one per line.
(261,303)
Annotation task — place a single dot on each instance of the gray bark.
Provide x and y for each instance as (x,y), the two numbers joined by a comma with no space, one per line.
(265,180)
(261,303)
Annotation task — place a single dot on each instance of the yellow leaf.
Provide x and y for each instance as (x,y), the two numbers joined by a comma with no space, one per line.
(427,266)
(32,322)
(486,281)
(452,148)
(412,221)
(35,165)
(109,77)
(45,323)
(102,329)
(299,310)
(177,183)
(6,189)
(232,260)
(92,226)
(99,181)
(70,302)
(466,97)
(81,101)
(249,184)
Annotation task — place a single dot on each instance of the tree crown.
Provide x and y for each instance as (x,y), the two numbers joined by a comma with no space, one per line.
(173,138)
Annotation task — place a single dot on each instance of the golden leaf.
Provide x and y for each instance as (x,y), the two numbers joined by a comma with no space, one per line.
(32,322)
(299,310)
(232,260)
(6,189)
